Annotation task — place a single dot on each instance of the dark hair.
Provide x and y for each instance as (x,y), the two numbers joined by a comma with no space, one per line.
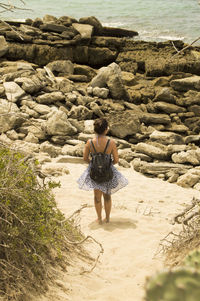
(100,125)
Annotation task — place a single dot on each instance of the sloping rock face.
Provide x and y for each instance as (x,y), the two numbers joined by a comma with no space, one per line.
(66,73)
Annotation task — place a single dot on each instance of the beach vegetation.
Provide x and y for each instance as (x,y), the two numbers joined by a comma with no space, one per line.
(35,236)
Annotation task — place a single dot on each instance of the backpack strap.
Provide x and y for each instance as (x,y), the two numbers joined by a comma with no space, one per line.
(93,146)
(106,146)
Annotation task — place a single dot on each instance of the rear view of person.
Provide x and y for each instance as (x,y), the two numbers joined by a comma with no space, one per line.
(101,176)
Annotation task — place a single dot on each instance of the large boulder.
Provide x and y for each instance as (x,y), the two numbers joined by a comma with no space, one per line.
(152,151)
(30,85)
(85,30)
(168,108)
(116,88)
(10,116)
(110,77)
(185,84)
(93,21)
(166,137)
(58,124)
(125,123)
(103,74)
(13,91)
(149,118)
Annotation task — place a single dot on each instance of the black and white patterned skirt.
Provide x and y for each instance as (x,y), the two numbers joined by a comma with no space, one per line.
(117,182)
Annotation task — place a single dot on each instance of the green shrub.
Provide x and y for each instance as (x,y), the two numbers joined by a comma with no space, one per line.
(32,228)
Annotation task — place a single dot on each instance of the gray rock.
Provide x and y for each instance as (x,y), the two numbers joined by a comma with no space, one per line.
(85,30)
(89,126)
(116,87)
(30,85)
(55,169)
(42,109)
(166,137)
(49,98)
(12,134)
(53,27)
(31,138)
(149,118)
(96,109)
(61,66)
(168,107)
(128,79)
(49,19)
(103,74)
(126,154)
(156,168)
(72,150)
(80,113)
(178,128)
(192,139)
(85,70)
(122,124)
(13,91)
(93,21)
(185,84)
(26,147)
(124,163)
(58,124)
(190,156)
(10,116)
(100,92)
(165,94)
(189,179)
(152,151)
(50,149)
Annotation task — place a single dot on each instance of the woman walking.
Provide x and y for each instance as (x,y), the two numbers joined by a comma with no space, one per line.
(101,144)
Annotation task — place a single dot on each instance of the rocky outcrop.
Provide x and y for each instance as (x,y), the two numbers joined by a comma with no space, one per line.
(66,73)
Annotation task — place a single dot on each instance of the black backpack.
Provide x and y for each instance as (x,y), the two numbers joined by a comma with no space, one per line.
(101,170)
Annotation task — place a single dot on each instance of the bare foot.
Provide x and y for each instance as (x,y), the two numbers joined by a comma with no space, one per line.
(107,220)
(99,221)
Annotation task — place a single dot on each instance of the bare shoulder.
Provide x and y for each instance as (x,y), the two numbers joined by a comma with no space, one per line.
(112,143)
(88,143)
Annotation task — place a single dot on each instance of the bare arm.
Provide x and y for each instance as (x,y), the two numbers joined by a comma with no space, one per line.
(86,152)
(115,153)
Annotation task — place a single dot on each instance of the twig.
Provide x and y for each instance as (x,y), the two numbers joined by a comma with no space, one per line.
(12,28)
(174,46)
(77,211)
(186,47)
(81,242)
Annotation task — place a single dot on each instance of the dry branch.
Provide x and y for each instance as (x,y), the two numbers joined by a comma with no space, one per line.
(81,242)
(183,49)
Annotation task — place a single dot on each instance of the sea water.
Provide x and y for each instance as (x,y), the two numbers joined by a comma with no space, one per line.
(155,20)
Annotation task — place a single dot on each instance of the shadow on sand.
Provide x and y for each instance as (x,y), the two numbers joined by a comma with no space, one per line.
(115,223)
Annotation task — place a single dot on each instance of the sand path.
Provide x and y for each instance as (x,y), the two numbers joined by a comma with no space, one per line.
(141,216)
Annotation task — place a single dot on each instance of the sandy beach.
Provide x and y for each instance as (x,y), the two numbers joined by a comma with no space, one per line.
(141,216)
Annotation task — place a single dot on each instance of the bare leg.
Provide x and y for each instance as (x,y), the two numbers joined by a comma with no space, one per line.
(98,204)
(107,206)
